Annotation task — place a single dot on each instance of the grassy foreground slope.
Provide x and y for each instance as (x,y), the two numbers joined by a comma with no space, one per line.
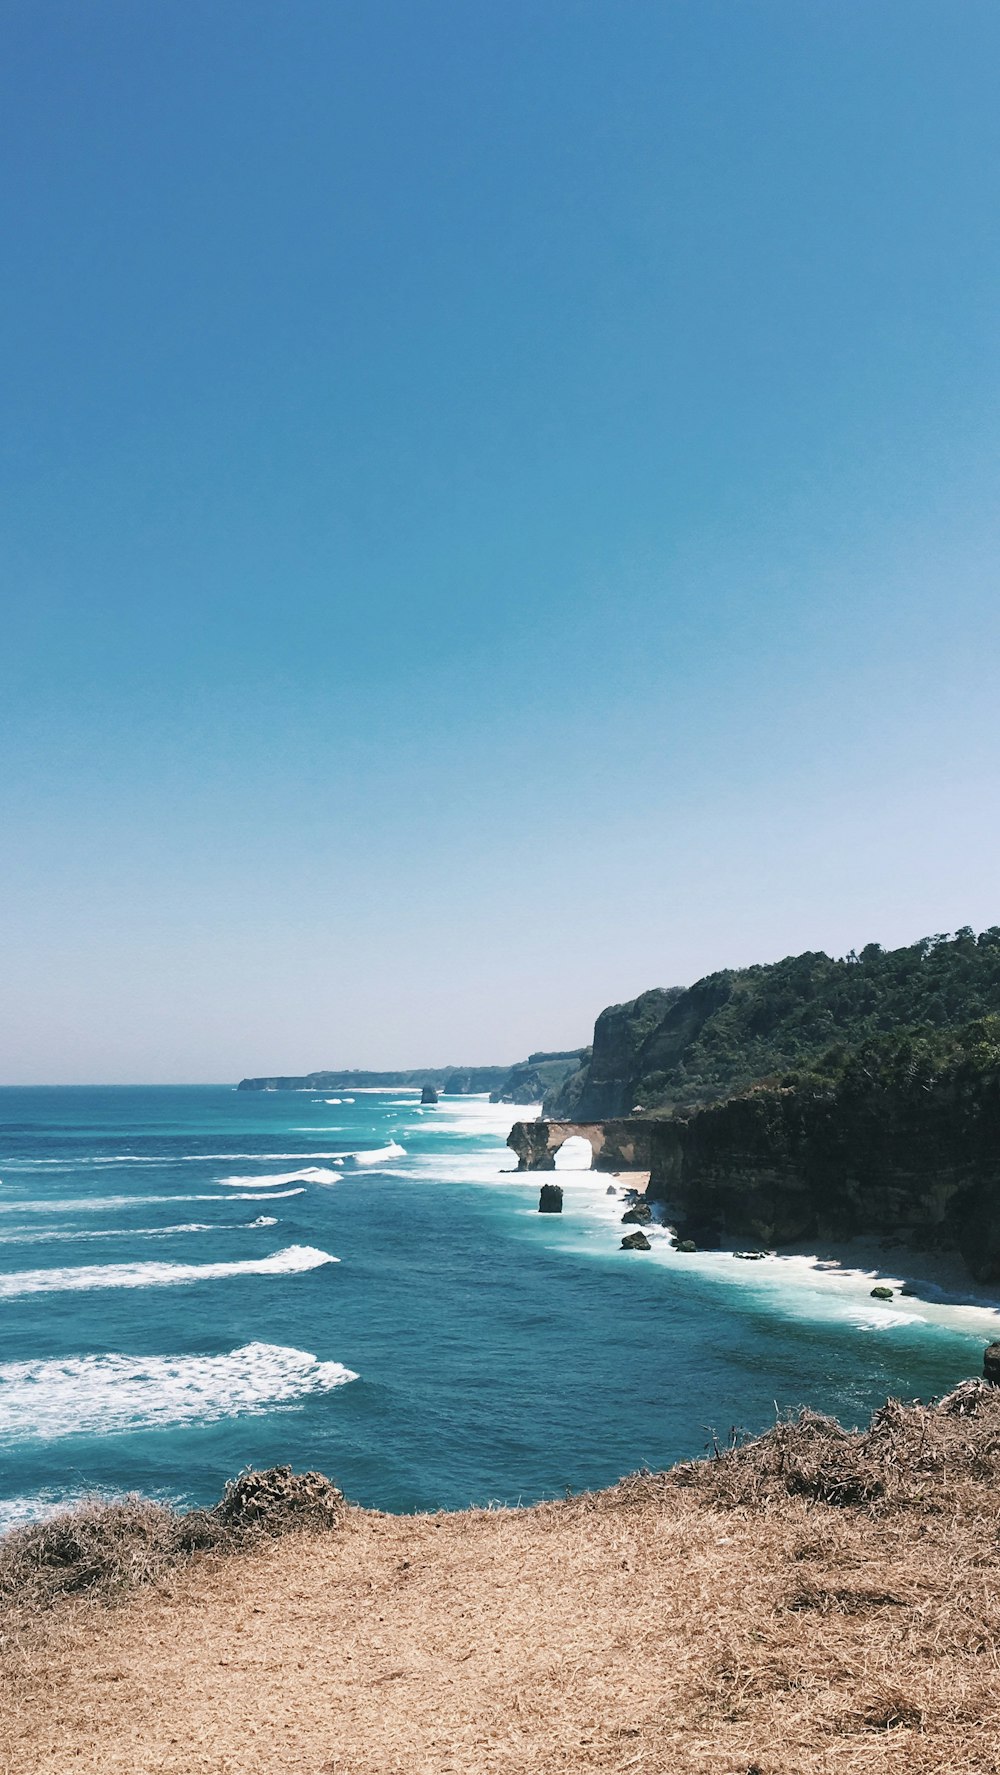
(815,1601)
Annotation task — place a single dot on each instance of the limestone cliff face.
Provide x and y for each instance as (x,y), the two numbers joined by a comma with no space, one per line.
(603,1085)
(623,1145)
(776,1167)
(540,1075)
(919,1161)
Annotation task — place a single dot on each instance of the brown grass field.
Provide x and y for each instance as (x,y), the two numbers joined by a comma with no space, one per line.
(815,1601)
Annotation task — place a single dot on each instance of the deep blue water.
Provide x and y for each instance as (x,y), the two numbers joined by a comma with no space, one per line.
(499,1354)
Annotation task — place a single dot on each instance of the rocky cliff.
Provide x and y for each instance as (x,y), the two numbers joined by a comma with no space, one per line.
(675,1048)
(539,1076)
(905,1142)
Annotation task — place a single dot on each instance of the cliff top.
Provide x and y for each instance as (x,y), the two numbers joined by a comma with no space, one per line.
(817,1601)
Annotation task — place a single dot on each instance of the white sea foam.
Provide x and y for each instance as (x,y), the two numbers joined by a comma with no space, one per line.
(163,1158)
(16,1512)
(21,1235)
(102,1204)
(332,1100)
(374,1155)
(293,1259)
(100,1395)
(25,1236)
(311,1174)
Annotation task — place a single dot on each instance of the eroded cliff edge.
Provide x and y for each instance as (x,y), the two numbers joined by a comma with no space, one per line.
(904,1142)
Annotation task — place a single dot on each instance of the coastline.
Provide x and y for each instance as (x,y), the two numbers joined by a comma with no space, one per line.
(836,1273)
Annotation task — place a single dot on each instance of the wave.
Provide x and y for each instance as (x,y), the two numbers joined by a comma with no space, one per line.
(101,1204)
(373,1156)
(291,1261)
(70,1164)
(98,1395)
(311,1174)
(21,1235)
(26,1236)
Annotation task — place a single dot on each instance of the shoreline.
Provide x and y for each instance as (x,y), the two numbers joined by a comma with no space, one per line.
(939,1289)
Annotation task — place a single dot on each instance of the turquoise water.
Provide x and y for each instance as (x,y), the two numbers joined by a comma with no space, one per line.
(170,1312)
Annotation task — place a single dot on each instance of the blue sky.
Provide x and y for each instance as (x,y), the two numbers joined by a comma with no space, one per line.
(499,510)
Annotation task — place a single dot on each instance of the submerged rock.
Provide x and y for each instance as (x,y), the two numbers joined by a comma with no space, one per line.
(640,1215)
(991,1364)
(636,1242)
(750,1256)
(882,1293)
(550,1198)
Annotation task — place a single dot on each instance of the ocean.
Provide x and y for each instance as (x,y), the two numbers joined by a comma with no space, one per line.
(194,1280)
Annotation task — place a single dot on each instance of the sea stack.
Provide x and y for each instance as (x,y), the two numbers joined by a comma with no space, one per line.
(550,1198)
(428,1094)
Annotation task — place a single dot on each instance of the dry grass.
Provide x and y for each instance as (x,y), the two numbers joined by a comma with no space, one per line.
(109,1549)
(810,1604)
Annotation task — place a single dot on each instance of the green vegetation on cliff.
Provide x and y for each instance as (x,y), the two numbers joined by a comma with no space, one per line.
(677,1048)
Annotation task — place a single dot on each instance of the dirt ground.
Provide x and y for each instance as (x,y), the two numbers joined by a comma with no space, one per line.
(644,1630)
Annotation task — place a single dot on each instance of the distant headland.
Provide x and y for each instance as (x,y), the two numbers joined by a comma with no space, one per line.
(527,1081)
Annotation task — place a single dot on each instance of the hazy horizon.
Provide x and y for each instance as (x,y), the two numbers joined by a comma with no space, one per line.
(499,512)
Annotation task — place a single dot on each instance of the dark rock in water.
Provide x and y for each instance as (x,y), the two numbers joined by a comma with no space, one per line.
(750,1256)
(640,1215)
(991,1364)
(881,1293)
(910,1290)
(428,1094)
(611,1191)
(636,1242)
(685,1245)
(630,1195)
(550,1198)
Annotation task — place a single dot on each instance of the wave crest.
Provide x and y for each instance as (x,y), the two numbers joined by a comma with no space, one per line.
(89,1395)
(292,1260)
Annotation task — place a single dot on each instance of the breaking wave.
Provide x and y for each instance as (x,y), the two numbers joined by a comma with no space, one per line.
(311,1174)
(95,1204)
(88,1395)
(22,1235)
(293,1259)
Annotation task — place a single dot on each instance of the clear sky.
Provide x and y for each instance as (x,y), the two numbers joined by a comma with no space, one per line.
(499,510)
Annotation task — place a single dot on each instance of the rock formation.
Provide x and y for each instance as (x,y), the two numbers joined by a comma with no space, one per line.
(616,1146)
(636,1242)
(903,1142)
(640,1215)
(550,1198)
